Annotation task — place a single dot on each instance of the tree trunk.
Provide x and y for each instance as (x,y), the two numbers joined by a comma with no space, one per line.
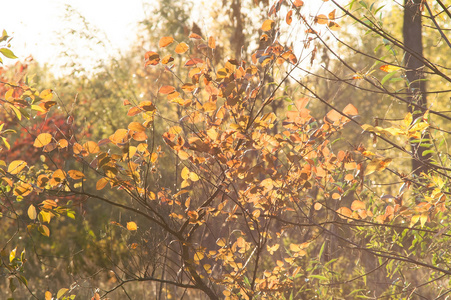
(412,34)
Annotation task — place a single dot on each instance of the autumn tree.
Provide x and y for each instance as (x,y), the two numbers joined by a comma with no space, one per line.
(256,204)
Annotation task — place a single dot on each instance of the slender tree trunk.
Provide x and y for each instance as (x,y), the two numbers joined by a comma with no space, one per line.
(412,33)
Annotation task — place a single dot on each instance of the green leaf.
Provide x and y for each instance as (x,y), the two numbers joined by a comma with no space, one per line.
(320,277)
(322,250)
(387,77)
(7,53)
(427,152)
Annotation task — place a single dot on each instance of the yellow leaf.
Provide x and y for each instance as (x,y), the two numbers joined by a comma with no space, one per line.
(389,68)
(16,166)
(268,25)
(408,120)
(44,230)
(193,176)
(334,27)
(42,140)
(132,226)
(321,19)
(221,242)
(136,126)
(423,219)
(32,212)
(74,174)
(181,48)
(185,173)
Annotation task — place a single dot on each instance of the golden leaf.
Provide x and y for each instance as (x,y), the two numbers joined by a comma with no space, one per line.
(165,41)
(42,140)
(181,48)
(268,25)
(132,226)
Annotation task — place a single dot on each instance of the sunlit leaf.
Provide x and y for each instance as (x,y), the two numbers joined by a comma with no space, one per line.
(344,212)
(44,230)
(101,183)
(356,205)
(92,147)
(32,212)
(136,126)
(211,42)
(75,174)
(16,166)
(7,53)
(61,293)
(185,173)
(48,295)
(334,27)
(331,15)
(165,41)
(195,36)
(132,226)
(321,19)
(389,68)
(181,48)
(298,3)
(289,17)
(268,25)
(42,140)
(166,89)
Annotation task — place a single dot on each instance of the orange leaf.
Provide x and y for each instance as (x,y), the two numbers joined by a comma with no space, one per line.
(166,89)
(321,19)
(91,147)
(289,17)
(152,58)
(74,174)
(62,143)
(350,110)
(167,59)
(181,48)
(132,226)
(195,36)
(188,87)
(134,111)
(332,15)
(389,68)
(165,41)
(356,205)
(344,212)
(298,3)
(268,25)
(42,140)
(101,183)
(211,42)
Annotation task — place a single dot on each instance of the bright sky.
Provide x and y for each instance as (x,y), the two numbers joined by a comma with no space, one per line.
(33,23)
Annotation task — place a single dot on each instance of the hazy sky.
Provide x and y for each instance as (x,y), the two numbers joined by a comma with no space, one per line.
(33,23)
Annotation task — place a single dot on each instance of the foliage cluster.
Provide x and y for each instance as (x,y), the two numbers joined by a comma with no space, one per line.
(234,178)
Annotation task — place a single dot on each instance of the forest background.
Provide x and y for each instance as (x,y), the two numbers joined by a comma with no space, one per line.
(287,150)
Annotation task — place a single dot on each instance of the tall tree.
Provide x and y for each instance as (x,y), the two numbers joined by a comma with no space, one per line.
(413,41)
